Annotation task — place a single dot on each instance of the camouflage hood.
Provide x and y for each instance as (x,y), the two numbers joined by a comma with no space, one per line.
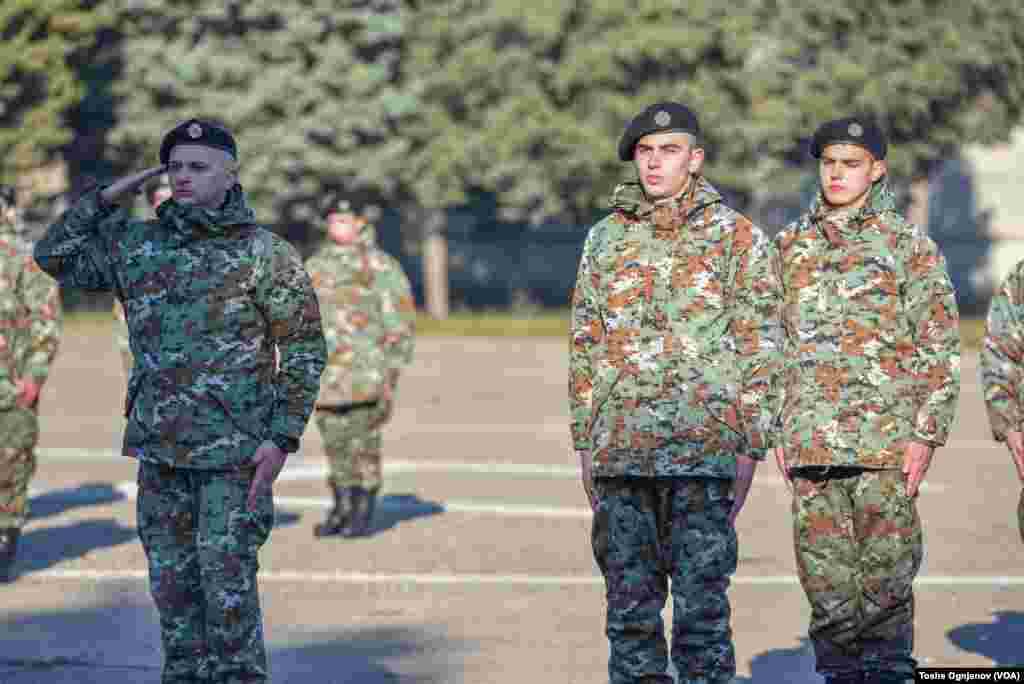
(881,201)
(192,222)
(630,199)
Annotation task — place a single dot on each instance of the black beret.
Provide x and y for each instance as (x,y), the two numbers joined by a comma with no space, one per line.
(661,117)
(853,130)
(198,132)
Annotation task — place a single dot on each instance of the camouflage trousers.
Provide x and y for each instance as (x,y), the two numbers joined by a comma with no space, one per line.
(858,546)
(353,449)
(202,547)
(647,531)
(17,466)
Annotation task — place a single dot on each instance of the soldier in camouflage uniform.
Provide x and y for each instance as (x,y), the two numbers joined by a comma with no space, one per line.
(675,346)
(871,383)
(1002,372)
(228,348)
(369,317)
(30,318)
(156,193)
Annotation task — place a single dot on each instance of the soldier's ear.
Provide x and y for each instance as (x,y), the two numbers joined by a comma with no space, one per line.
(878,169)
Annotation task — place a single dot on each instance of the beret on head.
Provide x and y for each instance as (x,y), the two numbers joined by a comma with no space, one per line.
(198,132)
(661,117)
(853,130)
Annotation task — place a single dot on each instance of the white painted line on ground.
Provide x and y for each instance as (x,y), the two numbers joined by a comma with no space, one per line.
(130,490)
(425,579)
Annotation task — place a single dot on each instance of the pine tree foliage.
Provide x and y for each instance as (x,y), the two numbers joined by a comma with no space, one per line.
(307,87)
(38,84)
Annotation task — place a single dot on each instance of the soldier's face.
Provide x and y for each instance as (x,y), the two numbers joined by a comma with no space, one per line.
(666,162)
(200,175)
(343,228)
(847,173)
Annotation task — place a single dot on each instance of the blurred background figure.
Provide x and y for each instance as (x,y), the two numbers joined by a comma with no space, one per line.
(30,318)
(368,315)
(156,193)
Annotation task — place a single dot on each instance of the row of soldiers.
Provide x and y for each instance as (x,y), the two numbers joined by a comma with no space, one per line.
(231,342)
(699,347)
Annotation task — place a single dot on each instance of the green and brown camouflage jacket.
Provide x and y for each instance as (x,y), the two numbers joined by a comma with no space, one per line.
(872,336)
(675,340)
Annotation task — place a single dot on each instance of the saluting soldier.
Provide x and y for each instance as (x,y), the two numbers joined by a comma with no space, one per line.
(228,348)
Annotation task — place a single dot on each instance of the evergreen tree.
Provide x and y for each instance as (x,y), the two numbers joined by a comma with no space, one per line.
(527,100)
(38,43)
(307,88)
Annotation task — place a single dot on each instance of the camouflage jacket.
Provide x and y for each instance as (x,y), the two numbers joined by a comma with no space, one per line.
(369,318)
(872,336)
(209,297)
(30,320)
(675,338)
(1002,358)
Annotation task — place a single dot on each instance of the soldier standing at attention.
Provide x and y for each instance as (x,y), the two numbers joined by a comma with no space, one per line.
(1002,372)
(211,298)
(675,346)
(155,195)
(30,320)
(870,390)
(369,316)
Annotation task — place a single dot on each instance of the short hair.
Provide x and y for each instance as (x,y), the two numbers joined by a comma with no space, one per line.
(8,196)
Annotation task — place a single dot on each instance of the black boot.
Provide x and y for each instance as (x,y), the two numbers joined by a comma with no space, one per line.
(364,501)
(339,520)
(8,551)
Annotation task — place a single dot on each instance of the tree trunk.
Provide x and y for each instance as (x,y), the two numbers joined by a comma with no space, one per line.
(435,266)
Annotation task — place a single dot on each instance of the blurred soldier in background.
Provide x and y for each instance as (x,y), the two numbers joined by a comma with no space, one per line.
(156,193)
(870,390)
(369,316)
(675,346)
(1002,372)
(30,320)
(213,300)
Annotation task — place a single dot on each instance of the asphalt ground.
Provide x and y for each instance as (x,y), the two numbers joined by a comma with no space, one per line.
(479,567)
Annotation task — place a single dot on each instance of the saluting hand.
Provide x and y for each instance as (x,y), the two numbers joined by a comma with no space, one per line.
(269,461)
(1015,440)
(916,460)
(131,183)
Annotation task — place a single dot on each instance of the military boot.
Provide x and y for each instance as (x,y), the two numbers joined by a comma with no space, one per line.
(364,501)
(339,520)
(8,551)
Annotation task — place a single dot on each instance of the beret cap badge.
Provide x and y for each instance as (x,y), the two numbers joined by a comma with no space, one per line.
(663,118)
(855,130)
(195,131)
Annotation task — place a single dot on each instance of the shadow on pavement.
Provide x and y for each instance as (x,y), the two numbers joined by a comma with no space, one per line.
(393,509)
(119,643)
(43,548)
(1001,641)
(58,501)
(789,665)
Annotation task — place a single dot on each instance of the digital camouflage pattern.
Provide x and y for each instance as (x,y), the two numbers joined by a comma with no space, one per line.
(645,531)
(873,342)
(202,545)
(209,297)
(369,320)
(858,549)
(353,446)
(369,317)
(675,340)
(30,323)
(1002,363)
